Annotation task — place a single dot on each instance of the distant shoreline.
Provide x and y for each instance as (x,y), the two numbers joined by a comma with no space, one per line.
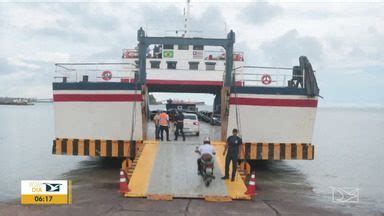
(17,104)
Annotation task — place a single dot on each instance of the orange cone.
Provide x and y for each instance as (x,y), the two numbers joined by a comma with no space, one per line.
(123,183)
(251,189)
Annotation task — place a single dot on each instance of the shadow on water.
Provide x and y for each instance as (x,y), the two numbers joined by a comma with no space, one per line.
(277,170)
(95,172)
(278,180)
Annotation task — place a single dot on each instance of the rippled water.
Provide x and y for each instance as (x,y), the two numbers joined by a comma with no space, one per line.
(349,152)
(26,134)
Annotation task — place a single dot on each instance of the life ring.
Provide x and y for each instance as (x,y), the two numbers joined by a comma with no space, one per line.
(266,79)
(106,75)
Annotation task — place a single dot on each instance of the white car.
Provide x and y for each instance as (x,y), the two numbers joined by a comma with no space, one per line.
(191,124)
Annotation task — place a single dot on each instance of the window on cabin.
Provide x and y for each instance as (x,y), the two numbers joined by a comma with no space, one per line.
(193,65)
(198,47)
(183,47)
(155,64)
(168,46)
(210,65)
(171,64)
(137,64)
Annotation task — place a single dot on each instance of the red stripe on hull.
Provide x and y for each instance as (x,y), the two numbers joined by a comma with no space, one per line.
(96,97)
(274,102)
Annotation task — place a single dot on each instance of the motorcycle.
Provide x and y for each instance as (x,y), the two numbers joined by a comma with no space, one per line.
(206,172)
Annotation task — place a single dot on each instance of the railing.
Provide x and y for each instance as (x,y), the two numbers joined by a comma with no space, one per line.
(267,76)
(125,72)
(159,52)
(94,72)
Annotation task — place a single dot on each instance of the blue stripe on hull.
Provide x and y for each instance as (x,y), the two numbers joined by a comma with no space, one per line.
(95,86)
(268,90)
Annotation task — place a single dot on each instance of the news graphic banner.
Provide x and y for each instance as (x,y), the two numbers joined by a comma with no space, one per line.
(46,192)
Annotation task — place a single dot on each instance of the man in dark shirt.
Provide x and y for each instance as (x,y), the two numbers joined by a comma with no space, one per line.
(179,121)
(232,150)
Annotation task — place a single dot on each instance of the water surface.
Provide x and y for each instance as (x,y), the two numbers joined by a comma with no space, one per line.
(349,153)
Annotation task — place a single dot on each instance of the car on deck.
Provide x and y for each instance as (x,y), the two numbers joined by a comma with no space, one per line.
(191,124)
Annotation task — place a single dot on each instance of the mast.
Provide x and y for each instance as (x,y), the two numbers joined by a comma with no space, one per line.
(186,19)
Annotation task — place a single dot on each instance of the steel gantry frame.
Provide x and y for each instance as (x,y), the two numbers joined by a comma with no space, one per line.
(226,43)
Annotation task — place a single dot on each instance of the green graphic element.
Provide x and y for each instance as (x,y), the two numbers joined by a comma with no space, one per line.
(168,54)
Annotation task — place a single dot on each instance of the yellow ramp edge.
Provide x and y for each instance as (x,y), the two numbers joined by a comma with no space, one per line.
(151,142)
(163,197)
(139,181)
(217,198)
(237,188)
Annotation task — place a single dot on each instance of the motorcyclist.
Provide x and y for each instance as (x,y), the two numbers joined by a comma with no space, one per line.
(206,152)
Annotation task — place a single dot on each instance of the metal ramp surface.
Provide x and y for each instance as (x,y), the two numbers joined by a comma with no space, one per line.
(167,170)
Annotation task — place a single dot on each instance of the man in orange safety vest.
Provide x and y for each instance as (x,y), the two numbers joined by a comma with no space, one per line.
(164,125)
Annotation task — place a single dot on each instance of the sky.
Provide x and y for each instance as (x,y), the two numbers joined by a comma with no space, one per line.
(344,41)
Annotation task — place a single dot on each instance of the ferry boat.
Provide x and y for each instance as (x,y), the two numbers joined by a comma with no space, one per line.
(274,107)
(101,109)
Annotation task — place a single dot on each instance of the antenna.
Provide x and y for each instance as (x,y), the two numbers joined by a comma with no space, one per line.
(186,19)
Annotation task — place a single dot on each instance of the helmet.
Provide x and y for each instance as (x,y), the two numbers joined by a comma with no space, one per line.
(207,140)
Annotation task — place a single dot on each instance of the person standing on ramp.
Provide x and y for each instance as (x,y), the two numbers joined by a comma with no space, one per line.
(164,125)
(156,120)
(232,150)
(179,120)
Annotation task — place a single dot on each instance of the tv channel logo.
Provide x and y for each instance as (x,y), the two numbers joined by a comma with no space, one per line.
(50,187)
(345,194)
